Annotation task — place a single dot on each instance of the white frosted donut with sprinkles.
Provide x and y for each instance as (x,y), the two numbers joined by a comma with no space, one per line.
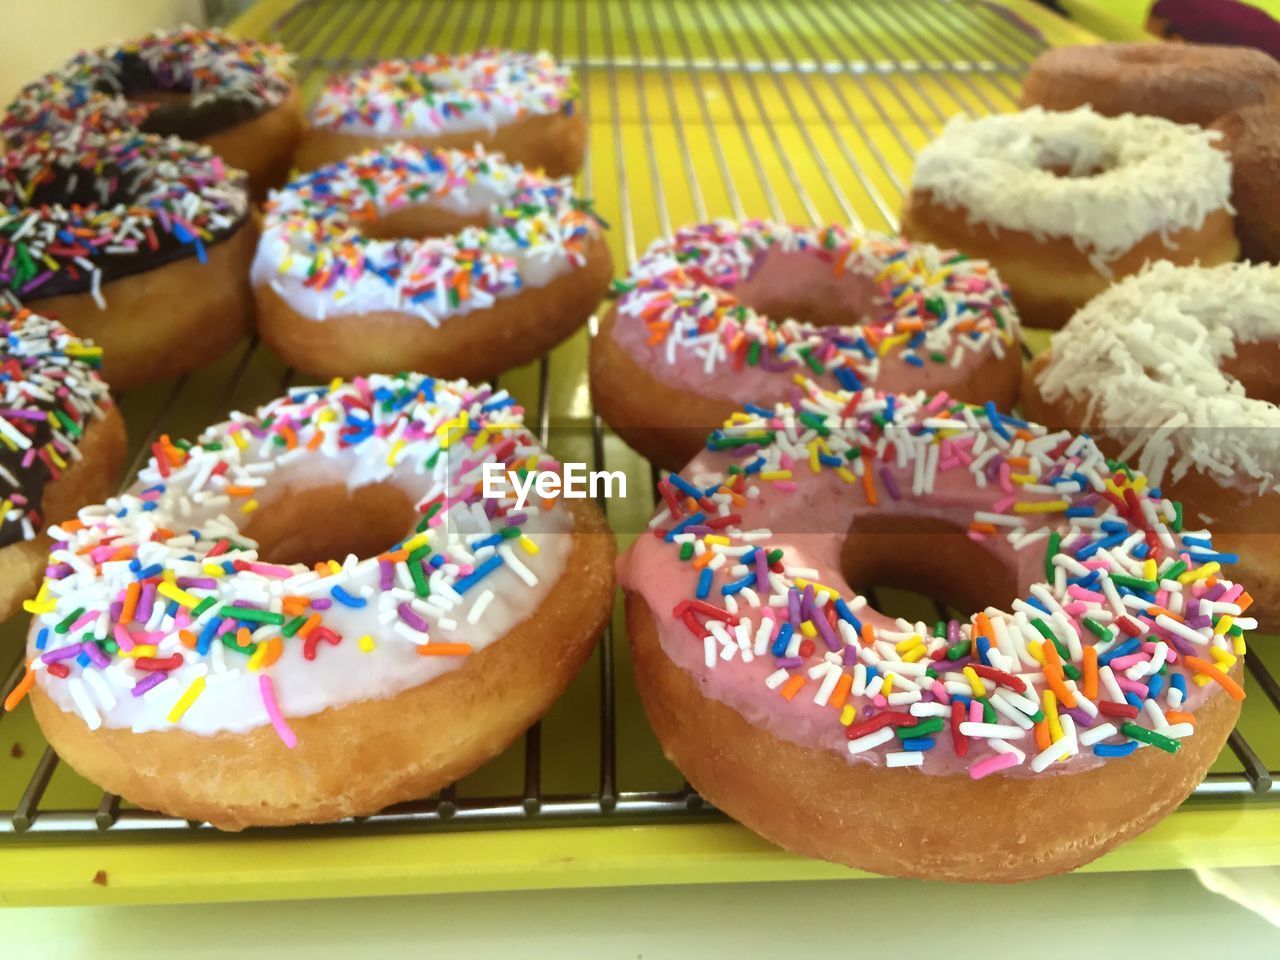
(1064,203)
(521,104)
(1085,699)
(453,263)
(1174,369)
(312,612)
(727,313)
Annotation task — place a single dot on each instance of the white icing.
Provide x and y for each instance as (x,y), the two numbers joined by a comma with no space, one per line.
(1145,357)
(1153,176)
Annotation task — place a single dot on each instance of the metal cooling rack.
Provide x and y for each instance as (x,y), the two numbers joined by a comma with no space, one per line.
(719,82)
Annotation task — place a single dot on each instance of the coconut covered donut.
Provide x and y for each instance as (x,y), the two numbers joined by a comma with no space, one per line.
(236,96)
(523,105)
(1062,204)
(61,442)
(1182,82)
(1251,136)
(202,646)
(110,233)
(1174,369)
(1082,703)
(457,264)
(698,328)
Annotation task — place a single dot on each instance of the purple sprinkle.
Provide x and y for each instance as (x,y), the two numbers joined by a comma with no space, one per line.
(321,603)
(200,583)
(146,600)
(793,607)
(410,616)
(850,656)
(387,571)
(762,571)
(62,653)
(889,483)
(95,654)
(149,681)
(788,663)
(828,632)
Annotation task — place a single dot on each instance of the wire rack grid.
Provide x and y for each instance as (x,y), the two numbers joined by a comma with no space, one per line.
(806,112)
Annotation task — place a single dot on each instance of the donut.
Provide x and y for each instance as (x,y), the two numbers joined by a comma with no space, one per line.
(201,647)
(1084,700)
(1182,82)
(1174,369)
(693,335)
(1062,204)
(522,105)
(110,233)
(1251,135)
(236,96)
(456,264)
(61,442)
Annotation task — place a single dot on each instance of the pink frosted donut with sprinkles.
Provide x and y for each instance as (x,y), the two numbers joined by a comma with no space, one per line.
(456,264)
(523,105)
(237,96)
(204,646)
(1084,700)
(727,313)
(62,441)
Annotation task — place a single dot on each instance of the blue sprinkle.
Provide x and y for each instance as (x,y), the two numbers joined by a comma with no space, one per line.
(1115,749)
(1179,683)
(1155,683)
(1119,650)
(686,522)
(152,571)
(684,486)
(704,583)
(993,416)
(346,599)
(83,660)
(42,638)
(845,614)
(480,572)
(738,585)
(847,379)
(917,743)
(783,638)
(206,635)
(1133,699)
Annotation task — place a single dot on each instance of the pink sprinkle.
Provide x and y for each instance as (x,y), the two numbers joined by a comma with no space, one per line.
(786,486)
(84,621)
(123,637)
(1003,504)
(270,570)
(975,711)
(940,692)
(268,691)
(992,764)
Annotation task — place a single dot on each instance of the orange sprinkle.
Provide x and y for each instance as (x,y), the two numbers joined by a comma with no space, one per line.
(15,696)
(841,692)
(1043,741)
(290,438)
(868,634)
(701,561)
(1244,602)
(243,638)
(1091,673)
(189,639)
(792,686)
(444,649)
(317,438)
(71,526)
(1180,716)
(295,606)
(313,621)
(239,491)
(982,527)
(275,647)
(869,486)
(130,605)
(1209,670)
(1156,611)
(396,556)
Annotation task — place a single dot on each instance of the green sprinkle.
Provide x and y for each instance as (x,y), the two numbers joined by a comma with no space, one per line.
(921,729)
(686,550)
(72,617)
(1051,551)
(293,626)
(1167,744)
(254,616)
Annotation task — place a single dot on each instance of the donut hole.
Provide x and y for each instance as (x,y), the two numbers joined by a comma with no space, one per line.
(924,562)
(329,522)
(797,285)
(420,222)
(1254,366)
(1075,161)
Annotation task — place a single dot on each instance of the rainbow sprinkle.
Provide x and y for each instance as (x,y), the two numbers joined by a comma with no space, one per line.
(930,306)
(443,93)
(315,255)
(158,611)
(90,208)
(90,90)
(51,392)
(1124,623)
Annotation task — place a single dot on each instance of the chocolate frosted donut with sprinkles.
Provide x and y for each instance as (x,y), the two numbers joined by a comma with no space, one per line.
(1175,369)
(113,233)
(727,313)
(456,264)
(235,95)
(523,105)
(1084,699)
(61,442)
(203,646)
(1064,204)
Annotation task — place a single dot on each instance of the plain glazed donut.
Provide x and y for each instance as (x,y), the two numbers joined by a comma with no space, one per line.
(522,105)
(452,263)
(1182,82)
(691,336)
(1062,204)
(139,242)
(1251,136)
(1174,370)
(1082,704)
(197,650)
(61,442)
(236,96)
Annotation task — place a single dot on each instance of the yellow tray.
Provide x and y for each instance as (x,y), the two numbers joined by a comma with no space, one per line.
(804,111)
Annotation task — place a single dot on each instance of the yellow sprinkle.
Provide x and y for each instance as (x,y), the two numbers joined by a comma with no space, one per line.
(326,416)
(335,566)
(1046,506)
(255,661)
(887,687)
(808,629)
(529,546)
(1225,660)
(187,699)
(844,474)
(847,713)
(334,384)
(481,439)
(975,682)
(774,475)
(902,646)
(213,570)
(1022,478)
(1201,680)
(416,541)
(1051,715)
(711,538)
(53,455)
(1208,570)
(239,440)
(250,506)
(141,650)
(41,603)
(1238,646)
(172,591)
(814,464)
(801,582)
(1225,624)
(1150,571)
(1036,650)
(366,643)
(394,452)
